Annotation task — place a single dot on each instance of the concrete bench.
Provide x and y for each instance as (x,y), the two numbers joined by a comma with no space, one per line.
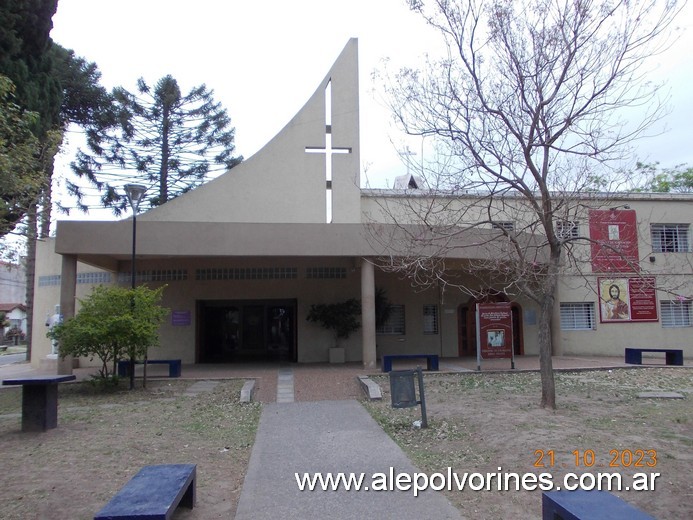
(431,360)
(174,366)
(673,356)
(39,401)
(587,505)
(154,494)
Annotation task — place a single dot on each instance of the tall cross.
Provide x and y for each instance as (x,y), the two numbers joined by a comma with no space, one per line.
(328,150)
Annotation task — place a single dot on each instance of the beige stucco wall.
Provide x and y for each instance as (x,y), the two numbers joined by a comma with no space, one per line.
(282,182)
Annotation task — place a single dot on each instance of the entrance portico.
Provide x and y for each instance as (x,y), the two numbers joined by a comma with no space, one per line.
(244,256)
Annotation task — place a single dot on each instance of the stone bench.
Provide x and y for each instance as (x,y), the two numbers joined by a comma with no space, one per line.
(153,494)
(431,360)
(587,505)
(174,366)
(673,356)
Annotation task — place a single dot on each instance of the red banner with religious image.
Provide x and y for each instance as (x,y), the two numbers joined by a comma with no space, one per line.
(614,235)
(627,300)
(495,330)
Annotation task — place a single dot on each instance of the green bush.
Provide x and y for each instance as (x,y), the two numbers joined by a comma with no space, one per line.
(341,318)
(112,323)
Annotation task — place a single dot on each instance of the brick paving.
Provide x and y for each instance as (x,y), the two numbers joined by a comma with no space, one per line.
(323,381)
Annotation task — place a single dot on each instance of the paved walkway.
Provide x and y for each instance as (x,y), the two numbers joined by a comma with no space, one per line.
(328,436)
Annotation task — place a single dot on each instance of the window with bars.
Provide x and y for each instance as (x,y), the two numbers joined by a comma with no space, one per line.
(567,229)
(430,319)
(395,322)
(670,238)
(577,316)
(676,313)
(505,226)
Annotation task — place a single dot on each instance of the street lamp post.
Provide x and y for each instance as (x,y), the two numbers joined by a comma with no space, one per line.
(134,193)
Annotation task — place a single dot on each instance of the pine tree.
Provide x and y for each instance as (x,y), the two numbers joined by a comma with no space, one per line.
(160,138)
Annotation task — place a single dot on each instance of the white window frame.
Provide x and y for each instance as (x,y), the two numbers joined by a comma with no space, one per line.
(578,316)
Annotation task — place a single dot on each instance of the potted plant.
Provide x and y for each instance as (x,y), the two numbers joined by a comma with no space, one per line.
(340,318)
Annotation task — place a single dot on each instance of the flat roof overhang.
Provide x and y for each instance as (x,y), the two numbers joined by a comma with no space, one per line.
(105,244)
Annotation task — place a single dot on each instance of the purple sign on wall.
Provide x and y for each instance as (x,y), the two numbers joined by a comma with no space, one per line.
(180,318)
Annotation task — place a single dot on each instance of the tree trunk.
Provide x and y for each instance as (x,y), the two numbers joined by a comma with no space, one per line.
(548,384)
(548,387)
(30,267)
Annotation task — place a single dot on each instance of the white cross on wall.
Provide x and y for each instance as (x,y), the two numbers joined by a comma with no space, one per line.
(328,150)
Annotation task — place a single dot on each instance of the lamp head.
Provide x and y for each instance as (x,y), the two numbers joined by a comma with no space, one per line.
(135,193)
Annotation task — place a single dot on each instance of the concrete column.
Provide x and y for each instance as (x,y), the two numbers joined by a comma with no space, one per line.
(368,314)
(68,287)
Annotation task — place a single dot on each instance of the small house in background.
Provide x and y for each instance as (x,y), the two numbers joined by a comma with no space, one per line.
(15,321)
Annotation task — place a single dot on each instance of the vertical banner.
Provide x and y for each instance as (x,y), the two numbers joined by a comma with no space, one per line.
(494,332)
(614,235)
(627,300)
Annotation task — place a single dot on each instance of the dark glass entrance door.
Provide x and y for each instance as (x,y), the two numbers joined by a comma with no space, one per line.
(233,331)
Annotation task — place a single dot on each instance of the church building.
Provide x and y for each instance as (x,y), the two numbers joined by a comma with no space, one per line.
(244,257)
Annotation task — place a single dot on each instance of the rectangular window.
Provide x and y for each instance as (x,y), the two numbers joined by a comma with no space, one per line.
(155,275)
(326,273)
(676,313)
(395,322)
(430,317)
(505,226)
(567,229)
(670,238)
(577,316)
(246,273)
(45,281)
(94,277)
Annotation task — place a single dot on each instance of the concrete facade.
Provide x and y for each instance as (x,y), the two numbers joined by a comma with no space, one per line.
(246,255)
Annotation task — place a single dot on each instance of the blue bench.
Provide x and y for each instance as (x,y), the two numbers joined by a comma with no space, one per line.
(174,366)
(154,493)
(587,505)
(431,360)
(673,356)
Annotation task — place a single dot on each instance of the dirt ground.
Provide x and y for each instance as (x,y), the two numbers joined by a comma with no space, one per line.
(101,441)
(477,424)
(480,423)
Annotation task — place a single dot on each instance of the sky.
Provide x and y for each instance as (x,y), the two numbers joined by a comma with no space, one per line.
(264,58)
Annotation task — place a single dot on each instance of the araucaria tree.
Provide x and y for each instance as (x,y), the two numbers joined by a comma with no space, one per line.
(162,139)
(528,111)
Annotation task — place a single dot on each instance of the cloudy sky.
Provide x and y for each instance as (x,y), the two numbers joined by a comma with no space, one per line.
(263,59)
